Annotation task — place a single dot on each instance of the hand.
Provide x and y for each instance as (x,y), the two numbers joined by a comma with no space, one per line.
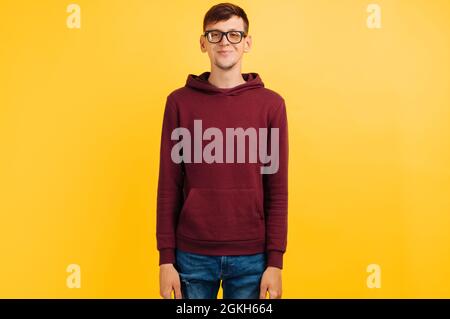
(271,281)
(169,280)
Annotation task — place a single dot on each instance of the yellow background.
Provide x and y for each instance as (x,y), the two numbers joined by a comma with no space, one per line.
(368,113)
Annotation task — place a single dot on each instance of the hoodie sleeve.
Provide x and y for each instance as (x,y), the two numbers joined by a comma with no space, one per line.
(276,193)
(170,188)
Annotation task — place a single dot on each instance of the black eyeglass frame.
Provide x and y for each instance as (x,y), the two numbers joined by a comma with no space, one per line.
(243,35)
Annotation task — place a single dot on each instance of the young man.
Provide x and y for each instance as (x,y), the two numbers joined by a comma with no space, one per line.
(221,214)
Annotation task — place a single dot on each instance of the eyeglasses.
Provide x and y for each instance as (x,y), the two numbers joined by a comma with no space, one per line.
(215,36)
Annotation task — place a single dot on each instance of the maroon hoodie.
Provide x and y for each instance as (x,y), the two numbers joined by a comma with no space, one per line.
(222,207)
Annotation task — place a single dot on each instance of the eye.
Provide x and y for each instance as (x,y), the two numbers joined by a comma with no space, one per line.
(234,35)
(215,34)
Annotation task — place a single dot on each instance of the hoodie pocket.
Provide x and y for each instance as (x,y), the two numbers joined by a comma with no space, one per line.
(222,215)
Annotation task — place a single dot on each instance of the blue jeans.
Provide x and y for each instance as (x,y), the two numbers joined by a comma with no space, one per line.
(200,275)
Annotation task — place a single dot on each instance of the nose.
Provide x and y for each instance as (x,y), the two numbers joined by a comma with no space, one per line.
(224,40)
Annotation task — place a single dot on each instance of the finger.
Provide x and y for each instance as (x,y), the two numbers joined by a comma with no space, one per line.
(177,289)
(273,294)
(166,295)
(263,292)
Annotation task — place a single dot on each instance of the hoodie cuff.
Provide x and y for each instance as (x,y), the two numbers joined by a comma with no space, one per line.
(167,256)
(275,258)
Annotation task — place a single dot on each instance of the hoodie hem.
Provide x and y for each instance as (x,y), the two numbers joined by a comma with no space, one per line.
(221,248)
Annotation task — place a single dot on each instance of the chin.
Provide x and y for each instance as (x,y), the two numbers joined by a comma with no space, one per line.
(226,66)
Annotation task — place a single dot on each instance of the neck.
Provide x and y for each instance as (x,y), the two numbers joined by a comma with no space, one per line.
(225,79)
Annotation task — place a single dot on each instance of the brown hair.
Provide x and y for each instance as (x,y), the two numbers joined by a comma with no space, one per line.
(224,11)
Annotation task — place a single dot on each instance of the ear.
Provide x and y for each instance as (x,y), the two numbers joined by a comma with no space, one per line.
(248,43)
(202,43)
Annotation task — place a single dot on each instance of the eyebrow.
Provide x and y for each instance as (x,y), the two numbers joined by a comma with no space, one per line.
(232,29)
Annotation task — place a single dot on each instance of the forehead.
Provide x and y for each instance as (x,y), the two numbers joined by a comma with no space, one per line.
(234,23)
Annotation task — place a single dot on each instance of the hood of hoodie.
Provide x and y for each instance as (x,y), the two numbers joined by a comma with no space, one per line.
(200,83)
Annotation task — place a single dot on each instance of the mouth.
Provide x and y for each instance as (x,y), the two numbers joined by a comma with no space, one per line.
(225,53)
